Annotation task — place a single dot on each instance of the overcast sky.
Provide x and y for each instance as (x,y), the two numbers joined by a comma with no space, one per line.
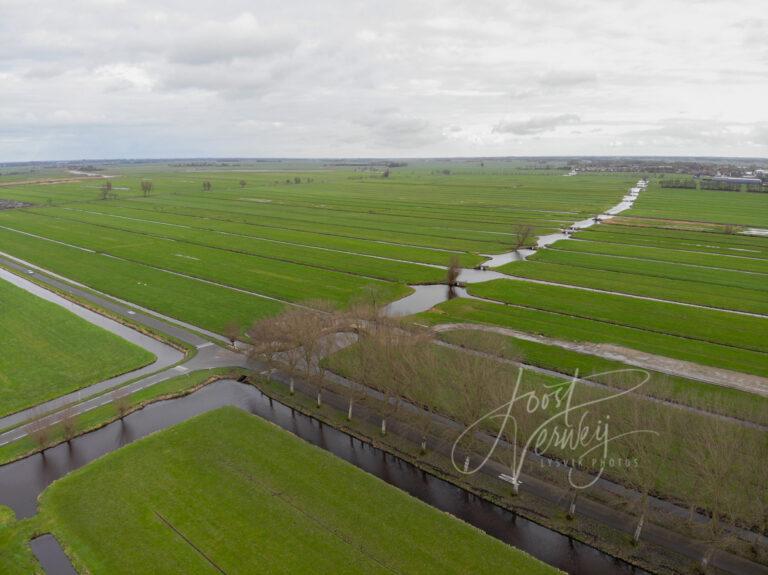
(182,78)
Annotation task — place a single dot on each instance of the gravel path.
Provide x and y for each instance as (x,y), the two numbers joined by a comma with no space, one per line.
(714,375)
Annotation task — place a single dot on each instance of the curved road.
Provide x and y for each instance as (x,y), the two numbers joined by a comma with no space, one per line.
(209,355)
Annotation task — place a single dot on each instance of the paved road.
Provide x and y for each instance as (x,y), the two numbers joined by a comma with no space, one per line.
(186,333)
(209,355)
(165,355)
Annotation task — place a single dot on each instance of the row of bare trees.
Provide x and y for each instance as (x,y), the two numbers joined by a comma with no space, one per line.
(297,341)
(397,372)
(44,429)
(106,191)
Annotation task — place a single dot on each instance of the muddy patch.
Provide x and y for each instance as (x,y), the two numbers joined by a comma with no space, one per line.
(13,204)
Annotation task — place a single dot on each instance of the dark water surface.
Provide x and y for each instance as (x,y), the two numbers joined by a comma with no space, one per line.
(21,482)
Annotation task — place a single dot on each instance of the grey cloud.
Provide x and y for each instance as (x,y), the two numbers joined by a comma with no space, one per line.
(536,125)
(241,38)
(759,135)
(232,81)
(334,77)
(567,78)
(393,130)
(690,130)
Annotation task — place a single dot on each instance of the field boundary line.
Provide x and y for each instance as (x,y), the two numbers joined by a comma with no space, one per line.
(285,499)
(189,542)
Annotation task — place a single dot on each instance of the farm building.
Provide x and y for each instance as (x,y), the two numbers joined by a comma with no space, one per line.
(737,180)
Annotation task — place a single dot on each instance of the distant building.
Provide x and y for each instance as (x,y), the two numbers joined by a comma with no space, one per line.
(737,180)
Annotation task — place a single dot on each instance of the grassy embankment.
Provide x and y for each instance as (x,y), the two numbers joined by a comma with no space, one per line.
(48,351)
(236,480)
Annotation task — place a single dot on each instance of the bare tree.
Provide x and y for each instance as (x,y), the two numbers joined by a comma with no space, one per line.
(453,271)
(476,380)
(106,190)
(429,384)
(393,359)
(232,331)
(69,423)
(146,187)
(642,450)
(356,395)
(523,234)
(122,401)
(298,338)
(369,306)
(713,453)
(40,431)
(268,338)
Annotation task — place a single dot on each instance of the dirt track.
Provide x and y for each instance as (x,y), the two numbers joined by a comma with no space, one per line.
(714,375)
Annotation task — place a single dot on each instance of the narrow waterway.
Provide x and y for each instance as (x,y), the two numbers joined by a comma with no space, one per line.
(51,556)
(21,482)
(426,297)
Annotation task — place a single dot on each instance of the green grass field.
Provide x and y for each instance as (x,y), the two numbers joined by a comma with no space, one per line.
(586,271)
(255,499)
(435,385)
(740,208)
(664,254)
(52,351)
(582,329)
(704,242)
(337,236)
(736,331)
(679,390)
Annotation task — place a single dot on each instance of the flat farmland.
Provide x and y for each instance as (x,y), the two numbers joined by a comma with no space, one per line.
(432,385)
(257,500)
(203,304)
(53,351)
(59,192)
(680,390)
(662,281)
(703,242)
(128,217)
(706,268)
(567,326)
(738,208)
(682,257)
(713,326)
(187,251)
(336,236)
